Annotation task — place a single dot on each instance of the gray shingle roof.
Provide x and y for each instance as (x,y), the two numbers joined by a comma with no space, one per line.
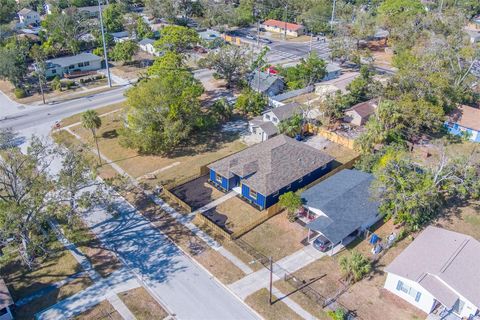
(266,81)
(365,109)
(146,41)
(438,257)
(273,164)
(293,93)
(269,128)
(67,61)
(345,200)
(286,111)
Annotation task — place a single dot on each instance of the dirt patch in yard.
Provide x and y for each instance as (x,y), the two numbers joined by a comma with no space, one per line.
(103,310)
(142,304)
(277,237)
(197,193)
(259,301)
(464,219)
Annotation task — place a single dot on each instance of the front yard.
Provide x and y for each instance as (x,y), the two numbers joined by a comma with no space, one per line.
(197,193)
(169,170)
(142,304)
(259,301)
(277,237)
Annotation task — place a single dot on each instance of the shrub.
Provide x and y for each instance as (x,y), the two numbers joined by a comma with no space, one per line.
(339,314)
(355,266)
(20,93)
(56,84)
(292,202)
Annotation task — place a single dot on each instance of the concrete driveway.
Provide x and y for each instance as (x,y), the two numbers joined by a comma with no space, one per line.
(182,285)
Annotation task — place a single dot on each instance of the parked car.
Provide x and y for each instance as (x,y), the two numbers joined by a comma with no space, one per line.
(250,36)
(322,244)
(264,40)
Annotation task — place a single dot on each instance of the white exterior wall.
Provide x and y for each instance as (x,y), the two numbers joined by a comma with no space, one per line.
(257,133)
(297,33)
(94,65)
(31,18)
(149,48)
(426,302)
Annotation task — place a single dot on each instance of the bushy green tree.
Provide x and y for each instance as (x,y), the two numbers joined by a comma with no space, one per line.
(13,61)
(124,51)
(250,102)
(290,201)
(162,112)
(292,126)
(308,71)
(113,18)
(229,62)
(170,61)
(177,39)
(62,31)
(142,29)
(7,10)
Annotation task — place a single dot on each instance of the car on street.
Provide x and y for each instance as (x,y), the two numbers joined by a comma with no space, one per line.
(250,36)
(265,40)
(321,243)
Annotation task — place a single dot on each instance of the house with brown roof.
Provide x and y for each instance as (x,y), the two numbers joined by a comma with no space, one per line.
(359,113)
(263,172)
(464,121)
(292,29)
(439,274)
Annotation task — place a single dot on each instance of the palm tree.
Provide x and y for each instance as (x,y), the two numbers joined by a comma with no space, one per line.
(92,122)
(355,266)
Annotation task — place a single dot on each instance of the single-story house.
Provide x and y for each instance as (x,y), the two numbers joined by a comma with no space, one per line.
(121,36)
(464,120)
(333,71)
(293,29)
(279,99)
(263,172)
(89,11)
(6,302)
(28,17)
(266,83)
(438,272)
(265,126)
(359,113)
(66,65)
(147,46)
(341,206)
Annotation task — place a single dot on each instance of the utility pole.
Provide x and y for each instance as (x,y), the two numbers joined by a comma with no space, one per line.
(333,14)
(105,54)
(311,40)
(271,280)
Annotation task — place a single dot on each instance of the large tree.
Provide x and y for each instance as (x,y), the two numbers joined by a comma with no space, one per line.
(162,111)
(124,51)
(113,18)
(250,102)
(7,10)
(13,61)
(229,62)
(307,72)
(62,31)
(177,38)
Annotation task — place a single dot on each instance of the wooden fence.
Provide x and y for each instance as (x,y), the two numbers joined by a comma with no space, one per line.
(332,136)
(177,200)
(214,229)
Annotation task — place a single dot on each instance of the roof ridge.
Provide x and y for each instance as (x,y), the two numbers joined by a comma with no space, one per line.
(455,254)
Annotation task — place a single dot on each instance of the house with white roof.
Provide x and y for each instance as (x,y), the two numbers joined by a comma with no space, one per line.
(439,274)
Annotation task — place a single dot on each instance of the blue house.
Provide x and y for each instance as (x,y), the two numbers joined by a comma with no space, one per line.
(261,173)
(465,121)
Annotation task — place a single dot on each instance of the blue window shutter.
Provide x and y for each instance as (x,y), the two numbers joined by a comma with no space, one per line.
(399,285)
(417,297)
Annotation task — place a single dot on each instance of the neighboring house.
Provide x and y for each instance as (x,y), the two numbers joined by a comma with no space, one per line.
(28,17)
(293,29)
(147,46)
(381,34)
(464,120)
(120,36)
(438,272)
(6,302)
(265,126)
(263,172)
(279,99)
(89,11)
(341,206)
(266,83)
(359,113)
(333,71)
(79,63)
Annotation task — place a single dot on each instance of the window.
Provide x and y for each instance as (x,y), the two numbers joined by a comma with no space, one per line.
(274,119)
(458,306)
(80,64)
(267,117)
(218,178)
(409,290)
(86,63)
(253,194)
(71,67)
(54,71)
